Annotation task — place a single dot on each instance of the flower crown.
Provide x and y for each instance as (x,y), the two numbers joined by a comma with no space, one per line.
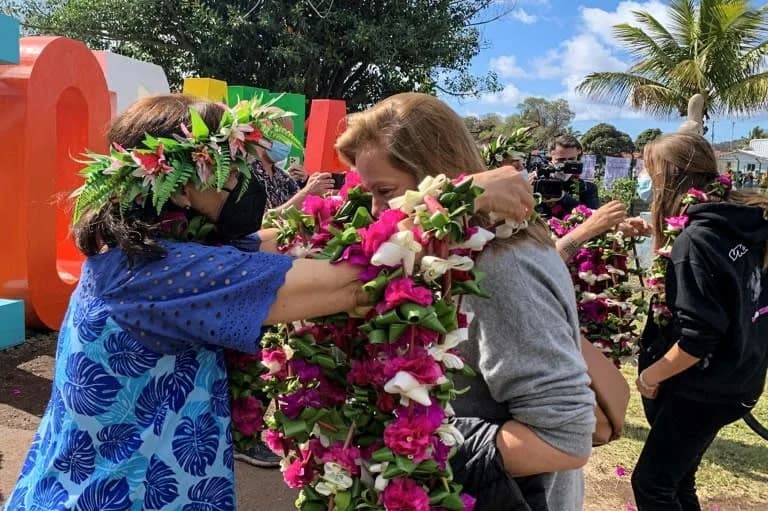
(161,166)
(514,146)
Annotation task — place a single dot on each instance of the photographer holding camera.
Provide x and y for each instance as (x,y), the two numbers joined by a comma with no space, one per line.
(559,183)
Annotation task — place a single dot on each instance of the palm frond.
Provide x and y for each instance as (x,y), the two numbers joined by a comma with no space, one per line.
(626,89)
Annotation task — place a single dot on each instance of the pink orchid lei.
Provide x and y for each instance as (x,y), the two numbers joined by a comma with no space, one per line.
(674,226)
(608,303)
(362,403)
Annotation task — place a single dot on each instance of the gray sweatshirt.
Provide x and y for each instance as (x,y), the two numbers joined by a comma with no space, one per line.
(524,346)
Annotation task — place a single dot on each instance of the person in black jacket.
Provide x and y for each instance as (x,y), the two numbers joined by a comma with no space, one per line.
(703,363)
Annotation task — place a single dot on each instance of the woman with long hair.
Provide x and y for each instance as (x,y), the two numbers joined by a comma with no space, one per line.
(703,352)
(140,416)
(529,414)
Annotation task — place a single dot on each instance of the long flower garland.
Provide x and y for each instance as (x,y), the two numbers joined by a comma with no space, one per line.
(608,303)
(363,403)
(674,225)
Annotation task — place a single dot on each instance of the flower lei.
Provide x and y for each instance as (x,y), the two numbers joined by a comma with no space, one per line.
(607,302)
(161,166)
(718,189)
(363,403)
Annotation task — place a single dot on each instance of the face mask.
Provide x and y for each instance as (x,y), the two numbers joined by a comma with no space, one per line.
(524,173)
(278,151)
(644,187)
(239,218)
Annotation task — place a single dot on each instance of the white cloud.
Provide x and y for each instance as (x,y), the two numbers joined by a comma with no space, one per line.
(600,22)
(506,66)
(520,15)
(593,49)
(509,97)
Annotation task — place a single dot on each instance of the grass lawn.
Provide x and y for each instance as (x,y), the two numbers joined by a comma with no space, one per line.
(734,470)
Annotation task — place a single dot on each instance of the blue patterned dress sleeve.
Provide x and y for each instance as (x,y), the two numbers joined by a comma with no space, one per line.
(196,294)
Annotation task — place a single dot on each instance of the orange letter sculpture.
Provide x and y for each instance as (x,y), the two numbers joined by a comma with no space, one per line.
(53,106)
(327,120)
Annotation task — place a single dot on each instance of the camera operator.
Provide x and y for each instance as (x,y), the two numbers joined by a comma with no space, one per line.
(562,189)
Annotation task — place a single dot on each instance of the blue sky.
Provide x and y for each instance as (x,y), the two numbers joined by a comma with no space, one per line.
(545,47)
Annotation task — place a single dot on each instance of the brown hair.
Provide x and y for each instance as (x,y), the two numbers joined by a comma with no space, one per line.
(133,230)
(424,137)
(566,141)
(678,162)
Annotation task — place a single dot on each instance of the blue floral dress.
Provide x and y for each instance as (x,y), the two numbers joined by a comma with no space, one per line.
(139,416)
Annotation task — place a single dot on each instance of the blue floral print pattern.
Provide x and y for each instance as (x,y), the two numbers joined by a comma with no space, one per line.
(139,416)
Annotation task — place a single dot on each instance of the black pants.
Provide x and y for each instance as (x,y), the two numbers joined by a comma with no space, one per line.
(681,432)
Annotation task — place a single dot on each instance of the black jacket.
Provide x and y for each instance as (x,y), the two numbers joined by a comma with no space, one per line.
(715,285)
(478,467)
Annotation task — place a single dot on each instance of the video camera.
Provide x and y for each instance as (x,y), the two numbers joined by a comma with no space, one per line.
(551,177)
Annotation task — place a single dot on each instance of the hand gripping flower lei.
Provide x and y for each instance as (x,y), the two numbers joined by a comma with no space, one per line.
(362,403)
(718,189)
(160,166)
(607,302)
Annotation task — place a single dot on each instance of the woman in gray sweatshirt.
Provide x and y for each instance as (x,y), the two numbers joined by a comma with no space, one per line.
(528,417)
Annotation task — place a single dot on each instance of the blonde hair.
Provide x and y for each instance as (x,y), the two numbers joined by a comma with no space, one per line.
(421,135)
(678,162)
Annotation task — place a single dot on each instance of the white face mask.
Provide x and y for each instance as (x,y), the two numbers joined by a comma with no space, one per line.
(524,173)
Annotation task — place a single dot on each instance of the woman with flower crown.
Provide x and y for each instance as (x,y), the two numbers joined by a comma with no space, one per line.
(139,416)
(703,352)
(528,415)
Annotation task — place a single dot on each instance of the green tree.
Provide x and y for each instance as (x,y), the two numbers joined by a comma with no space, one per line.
(645,136)
(605,140)
(716,48)
(357,50)
(547,118)
(757,132)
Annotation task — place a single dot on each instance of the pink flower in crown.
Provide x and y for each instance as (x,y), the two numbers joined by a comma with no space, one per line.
(403,290)
(404,494)
(203,163)
(274,440)
(300,473)
(380,231)
(697,194)
(676,223)
(351,180)
(416,362)
(273,359)
(248,415)
(347,457)
(410,436)
(151,163)
(621,471)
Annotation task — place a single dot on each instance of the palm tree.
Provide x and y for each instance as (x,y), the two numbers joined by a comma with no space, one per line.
(717,48)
